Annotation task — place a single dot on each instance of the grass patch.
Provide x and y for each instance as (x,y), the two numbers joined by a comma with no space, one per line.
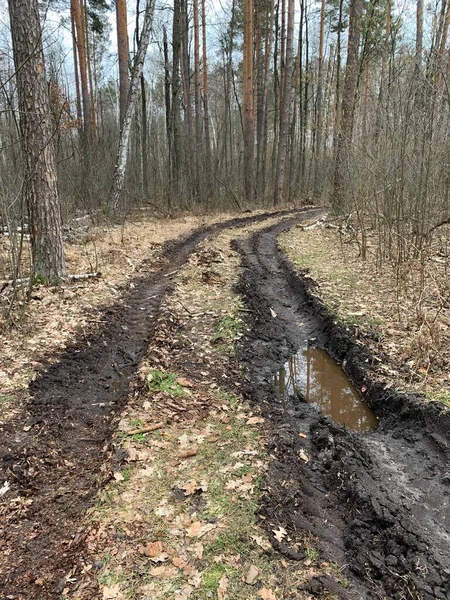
(163,381)
(442,396)
(228,329)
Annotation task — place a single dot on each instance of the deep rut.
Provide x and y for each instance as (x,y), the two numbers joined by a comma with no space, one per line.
(378,504)
(55,466)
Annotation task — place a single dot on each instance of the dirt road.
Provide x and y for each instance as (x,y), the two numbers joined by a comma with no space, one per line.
(378,503)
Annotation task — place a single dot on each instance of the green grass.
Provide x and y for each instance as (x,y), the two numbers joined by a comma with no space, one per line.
(228,329)
(442,396)
(162,381)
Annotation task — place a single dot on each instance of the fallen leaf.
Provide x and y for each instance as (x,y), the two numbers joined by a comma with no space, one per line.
(280,533)
(223,587)
(303,435)
(112,592)
(188,453)
(255,420)
(252,574)
(302,454)
(166,571)
(198,550)
(5,487)
(153,549)
(273,313)
(266,594)
(184,593)
(184,382)
(262,543)
(118,476)
(194,529)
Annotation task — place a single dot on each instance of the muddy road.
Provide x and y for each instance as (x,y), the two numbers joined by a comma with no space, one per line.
(375,503)
(378,503)
(53,455)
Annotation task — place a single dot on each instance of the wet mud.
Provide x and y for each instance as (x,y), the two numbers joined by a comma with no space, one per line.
(377,503)
(312,375)
(53,455)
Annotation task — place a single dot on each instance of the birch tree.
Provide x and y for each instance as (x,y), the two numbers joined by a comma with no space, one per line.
(138,63)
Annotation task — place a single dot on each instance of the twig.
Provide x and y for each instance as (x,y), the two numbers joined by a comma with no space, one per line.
(147,429)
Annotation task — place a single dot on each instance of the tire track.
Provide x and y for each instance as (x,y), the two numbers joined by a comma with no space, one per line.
(55,467)
(377,504)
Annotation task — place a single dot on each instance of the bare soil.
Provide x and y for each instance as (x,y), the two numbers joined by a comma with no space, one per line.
(377,504)
(53,452)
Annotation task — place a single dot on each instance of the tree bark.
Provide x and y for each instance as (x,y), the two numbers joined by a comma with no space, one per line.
(41,190)
(249,122)
(81,47)
(138,63)
(348,99)
(123,55)
(285,108)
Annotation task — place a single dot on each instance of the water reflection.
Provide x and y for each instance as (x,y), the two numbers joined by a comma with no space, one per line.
(314,375)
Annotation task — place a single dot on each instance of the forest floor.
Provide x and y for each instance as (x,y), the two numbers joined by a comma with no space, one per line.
(148,453)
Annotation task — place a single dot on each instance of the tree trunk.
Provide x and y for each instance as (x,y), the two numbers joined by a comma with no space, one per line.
(318,176)
(285,108)
(197,102)
(123,55)
(249,122)
(138,63)
(81,47)
(348,99)
(41,190)
(206,105)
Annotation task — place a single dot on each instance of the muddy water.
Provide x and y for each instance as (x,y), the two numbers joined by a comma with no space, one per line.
(315,376)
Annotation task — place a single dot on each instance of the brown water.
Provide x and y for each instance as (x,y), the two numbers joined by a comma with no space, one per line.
(319,379)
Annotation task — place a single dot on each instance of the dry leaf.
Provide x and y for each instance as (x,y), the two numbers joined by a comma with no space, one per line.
(118,476)
(112,592)
(266,594)
(188,453)
(199,529)
(262,543)
(194,529)
(179,562)
(185,593)
(255,420)
(280,534)
(273,313)
(183,382)
(252,574)
(303,435)
(198,550)
(165,571)
(302,454)
(153,549)
(222,589)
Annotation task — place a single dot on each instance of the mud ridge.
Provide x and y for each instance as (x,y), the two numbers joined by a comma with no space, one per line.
(52,454)
(376,504)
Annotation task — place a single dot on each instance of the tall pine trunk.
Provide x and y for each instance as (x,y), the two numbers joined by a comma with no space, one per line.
(285,108)
(41,190)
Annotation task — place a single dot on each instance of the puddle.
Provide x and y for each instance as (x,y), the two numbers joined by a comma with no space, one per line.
(320,380)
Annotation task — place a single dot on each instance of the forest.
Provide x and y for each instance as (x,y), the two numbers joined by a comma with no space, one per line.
(224,299)
(252,104)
